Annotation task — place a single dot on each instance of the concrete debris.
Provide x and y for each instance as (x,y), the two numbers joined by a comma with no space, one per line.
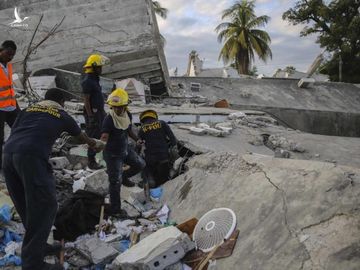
(40,84)
(74,107)
(226,130)
(130,210)
(280,153)
(197,131)
(257,141)
(59,163)
(177,163)
(157,251)
(96,250)
(203,126)
(224,125)
(215,132)
(97,182)
(281,142)
(236,115)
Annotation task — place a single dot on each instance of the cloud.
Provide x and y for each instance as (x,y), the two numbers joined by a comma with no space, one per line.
(190,26)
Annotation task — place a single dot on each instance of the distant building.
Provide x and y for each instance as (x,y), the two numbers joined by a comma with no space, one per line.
(294,74)
(195,69)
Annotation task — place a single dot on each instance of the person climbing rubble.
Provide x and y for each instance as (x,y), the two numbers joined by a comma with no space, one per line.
(28,174)
(115,131)
(9,108)
(157,136)
(94,112)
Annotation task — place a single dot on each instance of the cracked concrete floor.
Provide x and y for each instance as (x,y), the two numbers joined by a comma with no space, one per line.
(292,214)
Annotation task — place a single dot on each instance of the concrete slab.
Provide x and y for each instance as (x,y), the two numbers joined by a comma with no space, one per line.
(157,251)
(292,214)
(96,250)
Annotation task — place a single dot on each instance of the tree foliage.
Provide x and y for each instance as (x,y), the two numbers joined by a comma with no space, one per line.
(337,26)
(242,40)
(159,10)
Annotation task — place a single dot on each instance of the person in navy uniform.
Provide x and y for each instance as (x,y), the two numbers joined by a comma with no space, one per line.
(115,132)
(94,111)
(28,174)
(158,138)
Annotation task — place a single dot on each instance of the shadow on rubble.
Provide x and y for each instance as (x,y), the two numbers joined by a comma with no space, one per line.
(79,212)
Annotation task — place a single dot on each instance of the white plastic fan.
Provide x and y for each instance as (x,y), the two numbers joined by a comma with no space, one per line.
(213,228)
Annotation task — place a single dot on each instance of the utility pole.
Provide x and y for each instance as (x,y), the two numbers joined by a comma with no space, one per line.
(340,67)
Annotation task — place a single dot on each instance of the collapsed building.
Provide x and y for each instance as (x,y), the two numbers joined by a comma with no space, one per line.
(268,157)
(124,31)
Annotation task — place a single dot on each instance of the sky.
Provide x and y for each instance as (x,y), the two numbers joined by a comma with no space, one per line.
(190,26)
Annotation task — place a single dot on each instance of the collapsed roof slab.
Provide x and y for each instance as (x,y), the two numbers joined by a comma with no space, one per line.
(126,31)
(324,108)
(292,214)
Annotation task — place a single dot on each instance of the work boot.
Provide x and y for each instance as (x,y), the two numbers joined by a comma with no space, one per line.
(48,266)
(93,165)
(127,183)
(53,250)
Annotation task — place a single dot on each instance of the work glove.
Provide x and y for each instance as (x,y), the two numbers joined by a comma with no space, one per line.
(99,145)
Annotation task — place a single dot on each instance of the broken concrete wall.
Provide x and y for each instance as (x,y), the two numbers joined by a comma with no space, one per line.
(292,214)
(324,108)
(126,31)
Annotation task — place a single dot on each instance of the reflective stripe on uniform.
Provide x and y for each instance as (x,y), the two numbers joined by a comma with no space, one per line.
(7,98)
(5,88)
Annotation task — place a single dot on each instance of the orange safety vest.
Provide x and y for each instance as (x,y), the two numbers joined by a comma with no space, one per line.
(7,93)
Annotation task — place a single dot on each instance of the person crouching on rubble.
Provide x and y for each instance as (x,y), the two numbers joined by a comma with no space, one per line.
(29,177)
(115,131)
(157,137)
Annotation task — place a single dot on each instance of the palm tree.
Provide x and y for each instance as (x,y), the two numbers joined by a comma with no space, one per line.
(159,10)
(241,38)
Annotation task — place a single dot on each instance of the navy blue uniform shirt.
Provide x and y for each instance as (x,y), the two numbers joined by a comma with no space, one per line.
(118,138)
(156,134)
(36,130)
(91,86)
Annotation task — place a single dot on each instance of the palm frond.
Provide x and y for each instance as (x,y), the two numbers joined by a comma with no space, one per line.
(241,38)
(159,10)
(258,22)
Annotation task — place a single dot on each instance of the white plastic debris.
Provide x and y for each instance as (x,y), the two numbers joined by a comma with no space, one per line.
(78,185)
(163,214)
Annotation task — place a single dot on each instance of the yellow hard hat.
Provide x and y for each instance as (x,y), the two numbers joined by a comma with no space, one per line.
(96,60)
(119,97)
(148,113)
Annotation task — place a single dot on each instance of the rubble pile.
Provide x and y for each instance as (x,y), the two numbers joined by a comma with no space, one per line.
(11,231)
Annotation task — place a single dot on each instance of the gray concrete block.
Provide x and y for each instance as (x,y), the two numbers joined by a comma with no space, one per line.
(215,132)
(96,250)
(157,251)
(97,182)
(197,131)
(59,162)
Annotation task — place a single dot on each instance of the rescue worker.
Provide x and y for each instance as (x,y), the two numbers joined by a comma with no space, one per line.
(94,112)
(115,131)
(8,106)
(28,174)
(158,139)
